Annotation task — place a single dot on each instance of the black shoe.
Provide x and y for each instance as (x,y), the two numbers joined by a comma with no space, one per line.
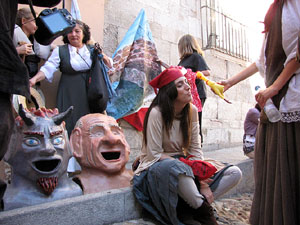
(205,214)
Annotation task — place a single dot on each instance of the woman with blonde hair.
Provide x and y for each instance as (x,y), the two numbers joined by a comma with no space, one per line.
(191,57)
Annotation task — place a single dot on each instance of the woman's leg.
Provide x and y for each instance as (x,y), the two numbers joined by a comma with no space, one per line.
(231,177)
(188,191)
(201,210)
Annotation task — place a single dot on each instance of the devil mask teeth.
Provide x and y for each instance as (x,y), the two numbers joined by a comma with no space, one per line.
(48,184)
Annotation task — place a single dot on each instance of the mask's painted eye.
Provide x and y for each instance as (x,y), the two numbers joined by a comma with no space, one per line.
(32,142)
(57,140)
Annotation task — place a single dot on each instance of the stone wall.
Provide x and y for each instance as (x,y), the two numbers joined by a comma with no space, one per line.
(169,20)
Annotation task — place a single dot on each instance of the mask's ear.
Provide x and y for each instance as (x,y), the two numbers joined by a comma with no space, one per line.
(76,143)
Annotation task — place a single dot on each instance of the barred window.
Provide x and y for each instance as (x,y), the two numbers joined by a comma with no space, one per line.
(221,32)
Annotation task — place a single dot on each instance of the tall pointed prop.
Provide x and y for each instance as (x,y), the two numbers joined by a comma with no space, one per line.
(135,64)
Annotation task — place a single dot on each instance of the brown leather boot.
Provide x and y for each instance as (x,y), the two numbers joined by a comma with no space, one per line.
(205,214)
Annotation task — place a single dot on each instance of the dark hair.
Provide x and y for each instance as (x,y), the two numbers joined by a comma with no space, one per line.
(86,33)
(165,101)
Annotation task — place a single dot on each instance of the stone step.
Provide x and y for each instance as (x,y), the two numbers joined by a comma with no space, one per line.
(114,206)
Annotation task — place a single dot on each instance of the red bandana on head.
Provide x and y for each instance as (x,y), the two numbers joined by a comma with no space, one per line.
(168,75)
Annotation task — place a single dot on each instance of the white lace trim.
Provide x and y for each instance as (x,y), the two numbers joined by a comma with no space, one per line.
(289,117)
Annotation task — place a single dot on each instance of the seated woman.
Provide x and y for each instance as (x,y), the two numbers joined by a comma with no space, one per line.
(171,128)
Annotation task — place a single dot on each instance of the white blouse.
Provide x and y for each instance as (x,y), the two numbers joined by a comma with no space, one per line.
(290,103)
(79,59)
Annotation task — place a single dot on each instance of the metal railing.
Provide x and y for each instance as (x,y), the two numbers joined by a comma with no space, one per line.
(222,33)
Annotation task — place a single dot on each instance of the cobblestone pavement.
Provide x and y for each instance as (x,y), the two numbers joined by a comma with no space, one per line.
(235,211)
(231,211)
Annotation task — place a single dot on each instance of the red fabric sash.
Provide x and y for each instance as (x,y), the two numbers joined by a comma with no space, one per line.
(201,169)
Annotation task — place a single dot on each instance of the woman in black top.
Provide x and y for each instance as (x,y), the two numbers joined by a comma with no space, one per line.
(191,56)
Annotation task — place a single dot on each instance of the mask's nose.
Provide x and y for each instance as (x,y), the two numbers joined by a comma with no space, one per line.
(48,149)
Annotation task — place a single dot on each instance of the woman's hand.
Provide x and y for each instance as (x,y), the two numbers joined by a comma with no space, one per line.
(32,82)
(24,49)
(38,77)
(205,190)
(205,73)
(263,95)
(226,84)
(107,61)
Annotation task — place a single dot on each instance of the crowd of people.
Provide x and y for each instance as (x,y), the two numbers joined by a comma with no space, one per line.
(163,184)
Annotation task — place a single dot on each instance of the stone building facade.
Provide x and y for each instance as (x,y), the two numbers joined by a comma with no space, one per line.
(169,20)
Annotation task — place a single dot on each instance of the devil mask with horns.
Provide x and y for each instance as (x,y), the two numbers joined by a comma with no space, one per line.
(38,153)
